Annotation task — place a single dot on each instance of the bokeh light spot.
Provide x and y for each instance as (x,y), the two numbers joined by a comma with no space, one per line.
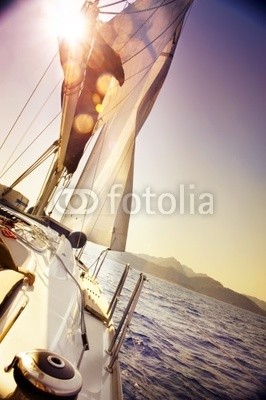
(99,107)
(83,123)
(103,83)
(96,98)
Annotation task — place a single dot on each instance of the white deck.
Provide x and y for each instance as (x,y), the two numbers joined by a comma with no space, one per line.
(51,320)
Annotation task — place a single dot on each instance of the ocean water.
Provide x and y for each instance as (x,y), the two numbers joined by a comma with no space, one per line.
(183,345)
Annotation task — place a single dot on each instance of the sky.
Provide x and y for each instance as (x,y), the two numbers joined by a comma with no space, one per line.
(206,134)
(212,135)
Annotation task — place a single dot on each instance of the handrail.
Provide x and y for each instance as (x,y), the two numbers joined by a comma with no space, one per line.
(114,301)
(124,323)
(98,268)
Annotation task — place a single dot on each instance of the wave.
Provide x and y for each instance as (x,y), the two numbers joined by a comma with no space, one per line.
(182,345)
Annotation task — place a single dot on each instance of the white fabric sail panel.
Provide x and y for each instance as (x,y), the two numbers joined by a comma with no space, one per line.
(139,37)
(109,168)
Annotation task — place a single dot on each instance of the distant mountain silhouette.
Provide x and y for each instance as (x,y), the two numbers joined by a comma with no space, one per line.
(173,271)
(171,261)
(260,303)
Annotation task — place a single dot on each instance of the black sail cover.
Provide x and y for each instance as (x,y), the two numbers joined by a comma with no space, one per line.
(103,64)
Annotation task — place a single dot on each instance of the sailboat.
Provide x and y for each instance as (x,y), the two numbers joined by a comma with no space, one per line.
(57,337)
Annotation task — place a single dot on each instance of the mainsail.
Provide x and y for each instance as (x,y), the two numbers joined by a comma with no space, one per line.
(145,35)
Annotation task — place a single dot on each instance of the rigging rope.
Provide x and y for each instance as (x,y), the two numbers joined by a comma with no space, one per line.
(25,133)
(138,11)
(27,102)
(47,175)
(67,180)
(113,4)
(34,140)
(161,33)
(35,165)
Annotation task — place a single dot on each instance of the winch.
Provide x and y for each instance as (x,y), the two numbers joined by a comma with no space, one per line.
(41,374)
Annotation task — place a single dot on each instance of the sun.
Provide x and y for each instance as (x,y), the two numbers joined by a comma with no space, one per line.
(67,21)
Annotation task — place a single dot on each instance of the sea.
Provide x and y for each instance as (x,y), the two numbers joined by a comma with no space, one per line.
(187,346)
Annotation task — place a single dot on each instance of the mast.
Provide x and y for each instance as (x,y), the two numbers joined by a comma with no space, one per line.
(77,57)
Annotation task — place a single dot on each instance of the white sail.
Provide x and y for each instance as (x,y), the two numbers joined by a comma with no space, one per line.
(146,44)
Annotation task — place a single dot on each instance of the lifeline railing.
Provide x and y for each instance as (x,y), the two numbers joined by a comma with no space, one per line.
(99,263)
(121,331)
(114,301)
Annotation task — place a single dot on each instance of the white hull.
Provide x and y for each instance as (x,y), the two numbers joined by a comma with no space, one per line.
(47,315)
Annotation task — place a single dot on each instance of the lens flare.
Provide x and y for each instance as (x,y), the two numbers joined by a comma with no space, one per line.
(99,108)
(103,83)
(83,123)
(96,98)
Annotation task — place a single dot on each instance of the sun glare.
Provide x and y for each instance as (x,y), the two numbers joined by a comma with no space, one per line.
(66,21)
